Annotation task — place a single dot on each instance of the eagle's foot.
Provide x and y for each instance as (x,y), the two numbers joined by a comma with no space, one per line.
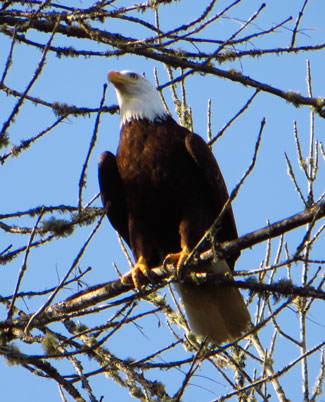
(139,268)
(179,260)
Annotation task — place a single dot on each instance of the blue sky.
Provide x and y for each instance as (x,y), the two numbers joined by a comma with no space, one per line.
(48,173)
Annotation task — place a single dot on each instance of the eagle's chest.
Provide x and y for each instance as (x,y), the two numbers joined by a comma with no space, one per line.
(144,157)
(150,162)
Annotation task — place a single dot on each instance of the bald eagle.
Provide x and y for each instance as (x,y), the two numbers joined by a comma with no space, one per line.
(162,192)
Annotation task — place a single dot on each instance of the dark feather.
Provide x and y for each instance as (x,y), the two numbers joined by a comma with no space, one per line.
(211,174)
(112,194)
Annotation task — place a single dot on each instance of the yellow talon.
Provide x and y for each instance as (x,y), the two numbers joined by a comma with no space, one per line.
(140,266)
(178,259)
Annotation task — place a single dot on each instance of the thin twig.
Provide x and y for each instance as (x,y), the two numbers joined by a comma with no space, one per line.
(63,280)
(82,181)
(23,267)
(240,112)
(31,83)
(295,31)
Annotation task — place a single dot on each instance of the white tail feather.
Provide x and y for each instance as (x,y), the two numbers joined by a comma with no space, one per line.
(215,312)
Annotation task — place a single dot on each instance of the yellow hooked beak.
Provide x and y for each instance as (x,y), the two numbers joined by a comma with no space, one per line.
(117,78)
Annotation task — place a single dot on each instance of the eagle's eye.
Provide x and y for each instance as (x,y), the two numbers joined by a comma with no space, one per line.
(134,76)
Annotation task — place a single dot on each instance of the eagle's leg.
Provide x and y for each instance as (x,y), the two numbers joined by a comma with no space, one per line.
(140,267)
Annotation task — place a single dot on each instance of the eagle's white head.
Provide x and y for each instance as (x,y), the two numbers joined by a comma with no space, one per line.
(136,96)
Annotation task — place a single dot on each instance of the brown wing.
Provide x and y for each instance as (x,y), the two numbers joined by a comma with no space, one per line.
(112,194)
(206,162)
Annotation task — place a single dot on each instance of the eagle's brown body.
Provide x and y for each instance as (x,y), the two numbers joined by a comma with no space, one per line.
(162,192)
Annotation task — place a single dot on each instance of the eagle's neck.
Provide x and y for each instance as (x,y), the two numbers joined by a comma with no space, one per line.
(148,106)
